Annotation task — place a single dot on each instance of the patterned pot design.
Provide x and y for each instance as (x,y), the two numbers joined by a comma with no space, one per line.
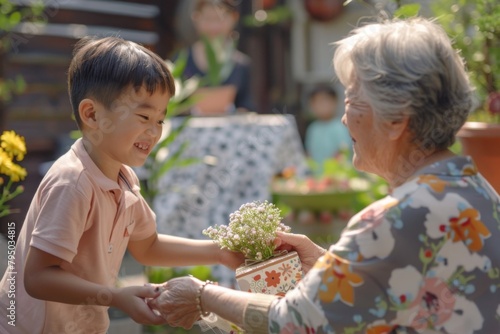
(273,277)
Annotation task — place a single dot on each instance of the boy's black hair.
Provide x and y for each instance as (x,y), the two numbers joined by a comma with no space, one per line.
(326,89)
(102,68)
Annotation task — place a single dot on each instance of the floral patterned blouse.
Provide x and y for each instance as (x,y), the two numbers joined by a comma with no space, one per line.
(424,259)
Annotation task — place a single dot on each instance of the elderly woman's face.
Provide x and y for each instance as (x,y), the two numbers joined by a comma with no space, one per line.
(368,139)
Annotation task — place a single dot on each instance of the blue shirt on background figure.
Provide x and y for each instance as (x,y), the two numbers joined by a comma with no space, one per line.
(326,136)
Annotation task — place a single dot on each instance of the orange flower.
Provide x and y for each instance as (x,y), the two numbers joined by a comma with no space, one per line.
(273,278)
(469,170)
(434,182)
(337,279)
(469,228)
(380,329)
(286,270)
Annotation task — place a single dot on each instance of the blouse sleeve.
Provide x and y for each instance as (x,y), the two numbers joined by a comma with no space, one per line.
(256,313)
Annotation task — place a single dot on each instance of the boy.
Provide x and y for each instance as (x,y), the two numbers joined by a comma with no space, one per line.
(88,209)
(326,136)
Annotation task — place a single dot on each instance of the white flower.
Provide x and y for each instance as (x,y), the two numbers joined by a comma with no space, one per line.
(251,230)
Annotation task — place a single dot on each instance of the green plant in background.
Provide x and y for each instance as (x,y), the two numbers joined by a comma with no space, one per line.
(219,53)
(160,275)
(11,16)
(276,15)
(475,27)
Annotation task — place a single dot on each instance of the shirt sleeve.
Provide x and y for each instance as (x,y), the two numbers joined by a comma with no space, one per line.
(61,221)
(145,221)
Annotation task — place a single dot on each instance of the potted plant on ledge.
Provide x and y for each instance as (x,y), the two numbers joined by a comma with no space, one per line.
(480,138)
(475,26)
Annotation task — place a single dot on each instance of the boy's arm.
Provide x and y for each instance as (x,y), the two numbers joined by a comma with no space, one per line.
(44,279)
(169,251)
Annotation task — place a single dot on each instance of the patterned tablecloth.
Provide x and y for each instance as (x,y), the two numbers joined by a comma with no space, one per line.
(238,156)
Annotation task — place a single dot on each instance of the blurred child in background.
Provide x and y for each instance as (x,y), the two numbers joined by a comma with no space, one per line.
(326,136)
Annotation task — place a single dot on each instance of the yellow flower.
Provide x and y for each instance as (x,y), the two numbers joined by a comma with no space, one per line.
(16,172)
(10,169)
(5,160)
(12,148)
(13,144)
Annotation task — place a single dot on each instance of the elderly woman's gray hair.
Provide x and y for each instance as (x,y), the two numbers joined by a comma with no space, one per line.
(408,68)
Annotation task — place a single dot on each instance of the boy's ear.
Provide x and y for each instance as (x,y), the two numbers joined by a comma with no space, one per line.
(87,111)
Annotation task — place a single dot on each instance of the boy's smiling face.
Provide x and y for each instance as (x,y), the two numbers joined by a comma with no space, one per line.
(127,131)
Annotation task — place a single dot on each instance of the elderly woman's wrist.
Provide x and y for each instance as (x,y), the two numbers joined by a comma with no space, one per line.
(199,299)
(256,313)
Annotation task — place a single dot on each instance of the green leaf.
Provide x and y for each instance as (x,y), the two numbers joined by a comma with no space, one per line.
(213,64)
(201,272)
(14,18)
(20,84)
(180,64)
(409,10)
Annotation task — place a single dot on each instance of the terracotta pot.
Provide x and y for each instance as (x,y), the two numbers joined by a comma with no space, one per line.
(267,4)
(482,142)
(213,101)
(324,10)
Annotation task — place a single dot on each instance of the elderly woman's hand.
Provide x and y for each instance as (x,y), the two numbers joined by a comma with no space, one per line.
(177,303)
(308,251)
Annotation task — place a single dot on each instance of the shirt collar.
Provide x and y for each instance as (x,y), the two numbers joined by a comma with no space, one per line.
(458,166)
(105,183)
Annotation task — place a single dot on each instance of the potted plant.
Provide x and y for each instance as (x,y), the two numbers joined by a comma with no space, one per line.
(212,98)
(251,231)
(475,26)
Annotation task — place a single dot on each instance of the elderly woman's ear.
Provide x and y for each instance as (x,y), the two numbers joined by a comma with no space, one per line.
(397,129)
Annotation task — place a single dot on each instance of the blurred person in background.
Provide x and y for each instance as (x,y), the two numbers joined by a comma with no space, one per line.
(326,136)
(215,22)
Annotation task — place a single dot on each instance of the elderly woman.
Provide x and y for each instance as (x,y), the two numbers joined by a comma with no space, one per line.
(425,258)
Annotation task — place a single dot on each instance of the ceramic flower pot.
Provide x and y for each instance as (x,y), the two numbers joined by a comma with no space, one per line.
(482,142)
(273,277)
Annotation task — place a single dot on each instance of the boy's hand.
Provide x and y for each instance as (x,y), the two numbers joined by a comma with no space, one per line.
(231,259)
(132,300)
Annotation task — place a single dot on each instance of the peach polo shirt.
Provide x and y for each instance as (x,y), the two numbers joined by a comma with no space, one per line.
(85,219)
